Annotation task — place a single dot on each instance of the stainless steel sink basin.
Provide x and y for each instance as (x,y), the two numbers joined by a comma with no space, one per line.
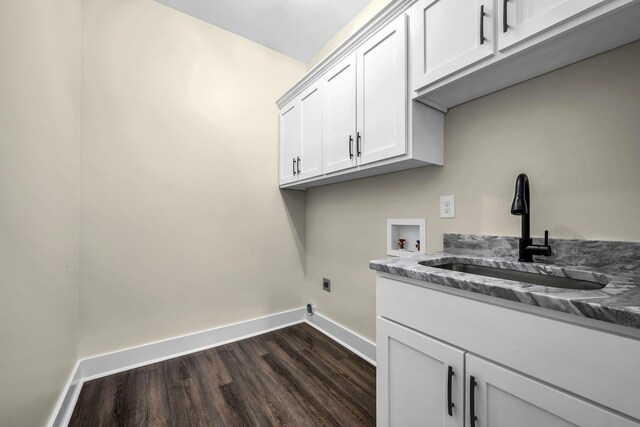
(520,276)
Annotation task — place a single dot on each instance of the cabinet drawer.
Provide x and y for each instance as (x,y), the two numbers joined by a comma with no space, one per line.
(599,366)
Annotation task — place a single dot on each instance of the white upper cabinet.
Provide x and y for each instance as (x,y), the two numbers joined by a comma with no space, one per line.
(375,104)
(382,94)
(339,116)
(310,163)
(365,102)
(289,142)
(301,136)
(449,35)
(520,19)
(461,50)
(354,115)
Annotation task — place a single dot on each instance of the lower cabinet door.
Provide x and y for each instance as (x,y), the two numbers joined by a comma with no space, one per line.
(420,379)
(499,397)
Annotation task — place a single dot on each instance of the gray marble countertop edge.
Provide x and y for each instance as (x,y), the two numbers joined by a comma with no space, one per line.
(618,302)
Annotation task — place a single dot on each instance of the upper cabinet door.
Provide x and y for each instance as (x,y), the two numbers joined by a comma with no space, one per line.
(448,36)
(289,142)
(311,132)
(420,381)
(382,94)
(339,116)
(504,398)
(520,19)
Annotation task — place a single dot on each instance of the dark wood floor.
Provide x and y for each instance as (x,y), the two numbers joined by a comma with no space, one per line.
(291,377)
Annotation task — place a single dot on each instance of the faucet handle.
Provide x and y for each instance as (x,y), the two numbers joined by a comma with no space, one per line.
(546,237)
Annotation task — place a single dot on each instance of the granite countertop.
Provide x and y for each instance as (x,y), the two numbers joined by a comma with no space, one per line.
(617,302)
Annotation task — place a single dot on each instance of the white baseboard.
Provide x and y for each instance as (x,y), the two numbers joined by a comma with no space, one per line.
(134,357)
(122,360)
(67,400)
(344,336)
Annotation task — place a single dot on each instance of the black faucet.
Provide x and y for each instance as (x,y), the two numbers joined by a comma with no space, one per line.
(522,206)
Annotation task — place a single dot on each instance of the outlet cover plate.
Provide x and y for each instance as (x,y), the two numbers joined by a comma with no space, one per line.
(447,207)
(326,284)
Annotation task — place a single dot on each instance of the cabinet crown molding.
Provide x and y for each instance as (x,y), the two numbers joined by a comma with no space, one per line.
(393,9)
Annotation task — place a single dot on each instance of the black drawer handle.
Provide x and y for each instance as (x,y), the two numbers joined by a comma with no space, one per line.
(472,400)
(294,166)
(505,26)
(350,147)
(482,14)
(358,145)
(298,165)
(450,404)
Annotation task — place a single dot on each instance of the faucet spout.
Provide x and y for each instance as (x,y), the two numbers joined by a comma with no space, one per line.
(521,206)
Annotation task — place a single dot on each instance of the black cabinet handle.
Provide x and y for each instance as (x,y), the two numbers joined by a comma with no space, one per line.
(358,145)
(450,404)
(482,14)
(294,166)
(298,165)
(350,147)
(472,400)
(505,26)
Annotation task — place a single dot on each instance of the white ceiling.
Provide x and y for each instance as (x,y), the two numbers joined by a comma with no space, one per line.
(297,28)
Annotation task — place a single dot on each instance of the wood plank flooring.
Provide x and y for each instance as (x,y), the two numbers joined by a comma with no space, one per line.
(290,377)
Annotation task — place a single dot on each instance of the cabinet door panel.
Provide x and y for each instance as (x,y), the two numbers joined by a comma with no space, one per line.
(311,133)
(448,36)
(339,116)
(504,398)
(412,379)
(382,93)
(526,18)
(289,142)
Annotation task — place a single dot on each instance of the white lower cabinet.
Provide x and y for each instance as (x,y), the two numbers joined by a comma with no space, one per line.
(440,364)
(420,380)
(500,397)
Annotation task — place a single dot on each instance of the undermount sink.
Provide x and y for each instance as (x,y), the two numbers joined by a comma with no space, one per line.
(520,276)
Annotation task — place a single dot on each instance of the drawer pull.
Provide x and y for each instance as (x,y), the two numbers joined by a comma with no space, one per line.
(505,26)
(482,14)
(450,404)
(350,147)
(472,400)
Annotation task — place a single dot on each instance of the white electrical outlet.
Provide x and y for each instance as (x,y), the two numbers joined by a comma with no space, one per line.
(447,207)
